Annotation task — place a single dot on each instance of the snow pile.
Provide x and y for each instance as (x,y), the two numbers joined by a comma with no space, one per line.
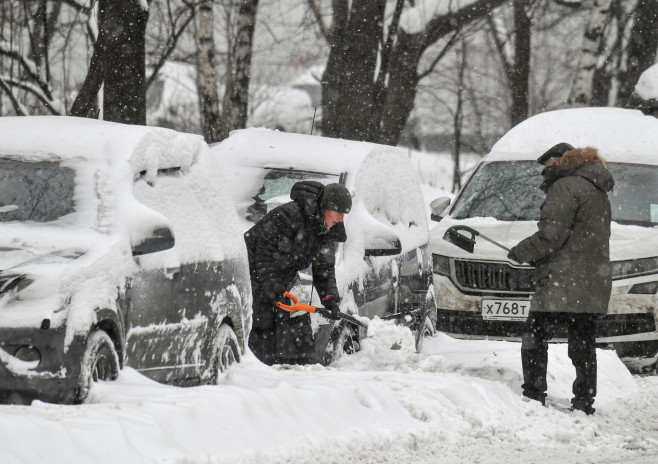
(458,401)
(647,84)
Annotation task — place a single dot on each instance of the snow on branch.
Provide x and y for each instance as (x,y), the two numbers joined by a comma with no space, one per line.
(27,64)
(81,5)
(55,106)
(18,107)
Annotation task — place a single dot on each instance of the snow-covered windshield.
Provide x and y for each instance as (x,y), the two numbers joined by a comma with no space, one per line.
(35,191)
(276,187)
(509,191)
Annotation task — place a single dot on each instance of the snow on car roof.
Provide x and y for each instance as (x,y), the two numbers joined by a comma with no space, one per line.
(245,153)
(41,138)
(620,135)
(274,149)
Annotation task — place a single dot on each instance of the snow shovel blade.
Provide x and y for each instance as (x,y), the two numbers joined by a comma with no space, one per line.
(297,306)
(465,243)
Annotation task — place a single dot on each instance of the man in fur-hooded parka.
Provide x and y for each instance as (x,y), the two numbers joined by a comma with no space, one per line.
(571,253)
(286,240)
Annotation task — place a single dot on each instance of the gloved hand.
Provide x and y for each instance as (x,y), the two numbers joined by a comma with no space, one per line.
(279,297)
(512,256)
(330,303)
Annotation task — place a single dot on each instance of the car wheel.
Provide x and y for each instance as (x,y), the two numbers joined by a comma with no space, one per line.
(100,362)
(343,341)
(426,330)
(226,351)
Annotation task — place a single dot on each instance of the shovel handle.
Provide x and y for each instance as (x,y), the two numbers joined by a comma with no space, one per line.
(296,305)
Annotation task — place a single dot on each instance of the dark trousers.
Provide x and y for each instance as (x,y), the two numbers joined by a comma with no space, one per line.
(581,334)
(275,337)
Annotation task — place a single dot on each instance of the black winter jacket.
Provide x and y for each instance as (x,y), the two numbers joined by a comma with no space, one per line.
(571,249)
(290,238)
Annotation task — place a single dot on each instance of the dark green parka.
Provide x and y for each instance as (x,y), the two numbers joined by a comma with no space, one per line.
(571,248)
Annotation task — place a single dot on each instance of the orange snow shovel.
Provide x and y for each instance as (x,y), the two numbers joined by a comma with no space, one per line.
(297,306)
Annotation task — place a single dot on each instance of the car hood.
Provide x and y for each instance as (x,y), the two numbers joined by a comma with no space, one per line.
(24,249)
(626,242)
(56,268)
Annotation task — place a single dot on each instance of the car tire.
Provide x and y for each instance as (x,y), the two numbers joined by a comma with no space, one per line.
(426,330)
(226,351)
(100,362)
(344,340)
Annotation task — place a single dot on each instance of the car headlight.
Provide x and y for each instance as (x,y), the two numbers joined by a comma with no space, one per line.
(441,265)
(633,268)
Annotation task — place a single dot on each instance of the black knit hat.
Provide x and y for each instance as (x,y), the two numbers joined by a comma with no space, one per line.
(556,151)
(336,197)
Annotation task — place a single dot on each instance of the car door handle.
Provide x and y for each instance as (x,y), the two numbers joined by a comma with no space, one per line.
(172,272)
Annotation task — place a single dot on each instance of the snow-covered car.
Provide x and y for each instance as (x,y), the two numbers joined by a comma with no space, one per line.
(118,247)
(385,267)
(485,295)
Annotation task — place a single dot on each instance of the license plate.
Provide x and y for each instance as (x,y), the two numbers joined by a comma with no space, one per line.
(505,310)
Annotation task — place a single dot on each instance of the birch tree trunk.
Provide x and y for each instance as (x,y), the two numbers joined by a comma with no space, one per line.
(234,113)
(582,88)
(207,75)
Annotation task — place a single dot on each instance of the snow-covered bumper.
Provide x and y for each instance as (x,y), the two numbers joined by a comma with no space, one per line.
(34,363)
(464,288)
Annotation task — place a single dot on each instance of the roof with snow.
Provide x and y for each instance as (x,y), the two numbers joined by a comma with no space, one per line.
(47,137)
(274,149)
(621,135)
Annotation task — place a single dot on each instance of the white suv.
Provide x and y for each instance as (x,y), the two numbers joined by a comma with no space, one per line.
(501,201)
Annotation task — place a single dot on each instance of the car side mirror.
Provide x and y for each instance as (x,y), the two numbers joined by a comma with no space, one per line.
(160,239)
(438,207)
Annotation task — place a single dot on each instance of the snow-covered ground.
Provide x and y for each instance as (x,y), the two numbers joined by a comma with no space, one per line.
(458,401)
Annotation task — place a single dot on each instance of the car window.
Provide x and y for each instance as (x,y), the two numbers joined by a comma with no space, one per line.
(505,190)
(35,191)
(276,186)
(509,191)
(630,204)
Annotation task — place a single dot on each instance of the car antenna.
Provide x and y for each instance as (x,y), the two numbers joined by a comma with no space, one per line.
(315,108)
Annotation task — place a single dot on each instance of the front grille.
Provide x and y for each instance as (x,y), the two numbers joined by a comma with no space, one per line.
(495,277)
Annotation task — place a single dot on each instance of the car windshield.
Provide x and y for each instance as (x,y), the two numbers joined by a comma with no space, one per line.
(276,187)
(40,191)
(509,191)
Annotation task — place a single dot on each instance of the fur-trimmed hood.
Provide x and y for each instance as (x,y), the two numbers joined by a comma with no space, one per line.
(573,159)
(587,163)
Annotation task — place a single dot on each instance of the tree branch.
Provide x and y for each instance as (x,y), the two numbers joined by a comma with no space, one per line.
(20,109)
(170,46)
(326,32)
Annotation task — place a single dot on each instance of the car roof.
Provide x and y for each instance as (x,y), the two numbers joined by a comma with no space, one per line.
(259,147)
(620,135)
(43,138)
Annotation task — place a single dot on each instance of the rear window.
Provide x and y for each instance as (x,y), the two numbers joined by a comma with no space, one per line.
(509,191)
(39,191)
(276,187)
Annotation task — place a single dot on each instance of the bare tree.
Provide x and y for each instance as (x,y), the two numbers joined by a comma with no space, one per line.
(642,47)
(236,101)
(582,88)
(118,63)
(355,104)
(516,59)
(206,74)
